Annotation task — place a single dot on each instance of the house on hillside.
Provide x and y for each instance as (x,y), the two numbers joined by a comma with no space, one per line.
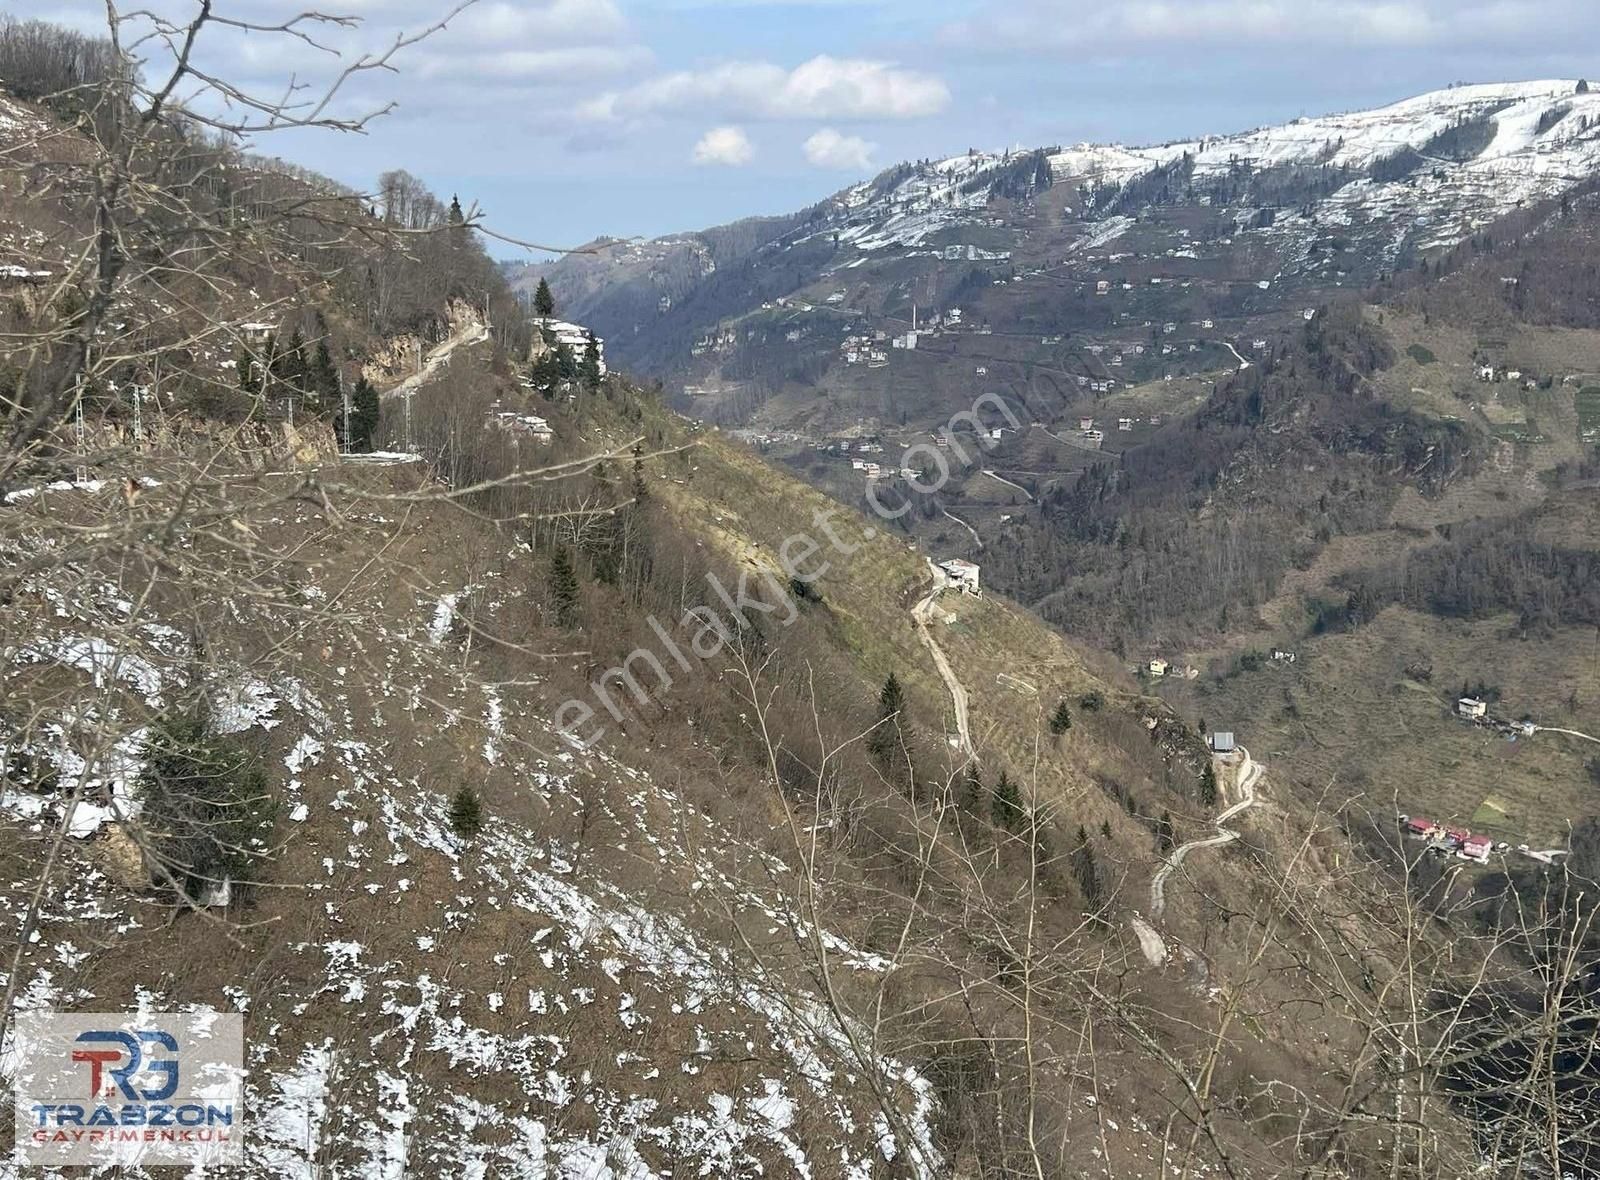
(576,337)
(1420,826)
(1472,707)
(963,575)
(1222,742)
(1476,848)
(1158,667)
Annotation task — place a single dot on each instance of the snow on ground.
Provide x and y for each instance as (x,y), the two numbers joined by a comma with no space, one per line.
(566,1058)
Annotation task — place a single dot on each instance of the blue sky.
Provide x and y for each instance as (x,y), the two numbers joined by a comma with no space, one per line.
(568,119)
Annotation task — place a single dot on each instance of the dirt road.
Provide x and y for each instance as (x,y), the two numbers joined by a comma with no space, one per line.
(469,333)
(1249,774)
(922,614)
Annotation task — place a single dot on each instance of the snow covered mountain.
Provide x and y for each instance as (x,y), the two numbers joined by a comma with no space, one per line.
(1293,211)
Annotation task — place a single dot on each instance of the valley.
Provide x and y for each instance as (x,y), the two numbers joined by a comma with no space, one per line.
(1080,661)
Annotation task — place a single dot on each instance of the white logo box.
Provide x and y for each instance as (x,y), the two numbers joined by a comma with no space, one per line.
(151,1088)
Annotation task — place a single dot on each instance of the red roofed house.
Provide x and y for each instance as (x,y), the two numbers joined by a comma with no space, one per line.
(1421,826)
(1476,848)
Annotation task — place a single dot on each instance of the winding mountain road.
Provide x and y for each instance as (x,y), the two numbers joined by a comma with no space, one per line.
(1249,775)
(964,525)
(1228,344)
(1008,483)
(921,614)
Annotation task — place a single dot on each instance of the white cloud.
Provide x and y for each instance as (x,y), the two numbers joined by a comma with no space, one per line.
(503,24)
(845,153)
(725,146)
(822,88)
(570,63)
(1126,28)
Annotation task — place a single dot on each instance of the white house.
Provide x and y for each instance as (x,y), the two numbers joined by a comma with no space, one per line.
(1471,707)
(1158,667)
(963,575)
(577,337)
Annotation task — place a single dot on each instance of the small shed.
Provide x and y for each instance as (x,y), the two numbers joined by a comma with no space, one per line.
(1222,743)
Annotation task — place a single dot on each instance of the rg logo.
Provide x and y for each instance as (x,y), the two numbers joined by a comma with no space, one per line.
(122,1076)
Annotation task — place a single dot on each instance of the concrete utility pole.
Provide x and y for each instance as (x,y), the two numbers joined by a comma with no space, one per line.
(344,398)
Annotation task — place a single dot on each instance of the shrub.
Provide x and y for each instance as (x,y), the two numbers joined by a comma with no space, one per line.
(1092,701)
(466,813)
(1061,720)
(207,806)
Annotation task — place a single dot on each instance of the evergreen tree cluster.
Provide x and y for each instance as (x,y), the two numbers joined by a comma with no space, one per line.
(207,804)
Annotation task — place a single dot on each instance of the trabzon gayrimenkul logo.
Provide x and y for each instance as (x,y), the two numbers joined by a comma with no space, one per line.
(152,1088)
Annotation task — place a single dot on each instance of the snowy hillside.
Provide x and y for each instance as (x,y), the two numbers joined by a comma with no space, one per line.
(1546,137)
(431,1005)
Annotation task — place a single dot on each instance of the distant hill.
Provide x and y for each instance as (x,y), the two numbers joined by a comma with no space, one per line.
(1239,229)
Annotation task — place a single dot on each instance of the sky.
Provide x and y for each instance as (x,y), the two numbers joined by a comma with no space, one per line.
(566,120)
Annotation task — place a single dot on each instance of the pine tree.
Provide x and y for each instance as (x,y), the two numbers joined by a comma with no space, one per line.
(546,373)
(641,491)
(885,738)
(466,813)
(589,367)
(1105,828)
(1085,871)
(563,587)
(358,433)
(324,375)
(544,303)
(1006,808)
(1208,786)
(1164,836)
(1061,719)
(566,361)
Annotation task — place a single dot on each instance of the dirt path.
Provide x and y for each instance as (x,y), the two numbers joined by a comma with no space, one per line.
(1249,774)
(469,333)
(964,525)
(1008,483)
(921,614)
(1228,344)
(1569,732)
